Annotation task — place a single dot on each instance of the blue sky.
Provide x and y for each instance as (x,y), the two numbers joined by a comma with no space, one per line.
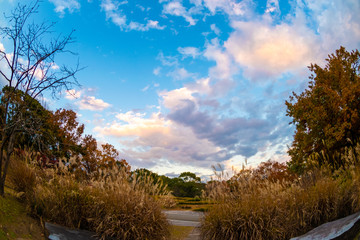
(181,85)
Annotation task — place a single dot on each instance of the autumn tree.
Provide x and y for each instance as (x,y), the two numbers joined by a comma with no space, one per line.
(273,171)
(68,133)
(28,65)
(327,113)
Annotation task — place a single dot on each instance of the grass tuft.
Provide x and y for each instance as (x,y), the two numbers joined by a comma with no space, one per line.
(250,207)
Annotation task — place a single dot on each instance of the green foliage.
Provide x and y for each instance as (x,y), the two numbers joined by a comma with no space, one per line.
(186,185)
(181,188)
(189,177)
(327,114)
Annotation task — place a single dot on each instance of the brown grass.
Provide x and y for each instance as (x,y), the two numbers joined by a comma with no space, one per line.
(110,205)
(250,208)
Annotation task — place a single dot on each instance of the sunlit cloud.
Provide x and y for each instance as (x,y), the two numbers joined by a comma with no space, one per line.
(92,103)
(265,50)
(72,94)
(84,101)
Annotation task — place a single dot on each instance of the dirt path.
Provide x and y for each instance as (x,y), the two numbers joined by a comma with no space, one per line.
(186,218)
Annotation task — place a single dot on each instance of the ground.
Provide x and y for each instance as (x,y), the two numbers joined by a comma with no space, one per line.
(180,232)
(15,223)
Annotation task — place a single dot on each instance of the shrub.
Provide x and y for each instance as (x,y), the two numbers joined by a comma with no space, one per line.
(22,178)
(110,206)
(253,208)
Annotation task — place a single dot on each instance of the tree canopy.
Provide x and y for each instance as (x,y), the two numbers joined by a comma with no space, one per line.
(327,113)
(29,70)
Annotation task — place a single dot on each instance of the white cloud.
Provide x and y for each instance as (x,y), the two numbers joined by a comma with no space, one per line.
(156,71)
(3,66)
(230,7)
(215,29)
(196,2)
(180,74)
(84,101)
(337,22)
(224,67)
(62,5)
(167,60)
(145,88)
(93,104)
(149,25)
(272,6)
(54,66)
(266,50)
(177,9)
(111,10)
(176,98)
(73,94)
(116,15)
(189,51)
(154,138)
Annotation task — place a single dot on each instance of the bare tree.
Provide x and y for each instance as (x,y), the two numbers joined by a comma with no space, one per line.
(28,69)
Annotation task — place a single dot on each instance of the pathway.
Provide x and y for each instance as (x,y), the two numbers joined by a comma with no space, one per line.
(186,218)
(176,218)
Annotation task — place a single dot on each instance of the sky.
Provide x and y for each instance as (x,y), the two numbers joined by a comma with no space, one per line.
(182,85)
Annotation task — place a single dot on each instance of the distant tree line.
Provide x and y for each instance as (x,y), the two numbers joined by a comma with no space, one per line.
(186,185)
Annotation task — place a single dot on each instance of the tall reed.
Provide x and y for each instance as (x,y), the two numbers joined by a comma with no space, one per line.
(108,204)
(249,207)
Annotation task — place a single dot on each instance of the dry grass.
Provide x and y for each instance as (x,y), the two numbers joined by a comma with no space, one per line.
(253,208)
(109,204)
(22,178)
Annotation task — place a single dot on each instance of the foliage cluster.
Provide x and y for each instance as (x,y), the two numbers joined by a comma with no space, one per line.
(186,185)
(28,70)
(59,136)
(327,114)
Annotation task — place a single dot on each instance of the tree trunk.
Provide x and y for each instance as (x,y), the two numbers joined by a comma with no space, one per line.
(6,161)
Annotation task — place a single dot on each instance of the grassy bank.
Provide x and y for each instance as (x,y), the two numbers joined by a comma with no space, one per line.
(15,223)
